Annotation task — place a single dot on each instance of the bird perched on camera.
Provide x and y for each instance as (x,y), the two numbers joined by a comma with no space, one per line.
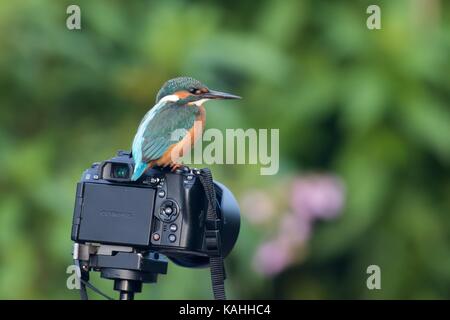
(179,106)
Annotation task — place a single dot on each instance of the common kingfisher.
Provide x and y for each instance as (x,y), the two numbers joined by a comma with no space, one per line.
(179,105)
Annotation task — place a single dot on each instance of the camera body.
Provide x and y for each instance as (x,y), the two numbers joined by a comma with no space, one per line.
(163,211)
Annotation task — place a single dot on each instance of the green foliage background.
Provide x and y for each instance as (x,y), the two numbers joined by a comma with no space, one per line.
(370,106)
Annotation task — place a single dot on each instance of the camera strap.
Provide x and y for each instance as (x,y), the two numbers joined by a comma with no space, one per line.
(212,236)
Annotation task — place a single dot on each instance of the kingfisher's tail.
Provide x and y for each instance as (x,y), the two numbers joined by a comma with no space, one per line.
(139,170)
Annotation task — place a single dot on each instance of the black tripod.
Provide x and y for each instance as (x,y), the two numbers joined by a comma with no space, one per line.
(129,270)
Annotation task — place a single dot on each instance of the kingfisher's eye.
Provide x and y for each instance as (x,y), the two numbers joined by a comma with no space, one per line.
(195,91)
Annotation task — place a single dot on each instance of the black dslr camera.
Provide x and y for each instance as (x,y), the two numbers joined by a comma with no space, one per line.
(125,229)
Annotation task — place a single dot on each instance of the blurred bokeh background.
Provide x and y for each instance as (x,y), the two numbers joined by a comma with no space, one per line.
(364,137)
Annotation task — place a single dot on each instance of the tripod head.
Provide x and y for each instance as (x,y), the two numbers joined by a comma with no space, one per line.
(128,267)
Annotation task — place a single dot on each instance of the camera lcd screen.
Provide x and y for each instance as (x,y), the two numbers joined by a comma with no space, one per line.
(116,214)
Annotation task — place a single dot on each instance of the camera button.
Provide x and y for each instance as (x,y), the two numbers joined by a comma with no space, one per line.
(156,236)
(172,238)
(161,193)
(168,210)
(173,227)
(154,180)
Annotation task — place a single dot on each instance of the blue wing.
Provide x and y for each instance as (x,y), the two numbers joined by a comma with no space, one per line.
(156,132)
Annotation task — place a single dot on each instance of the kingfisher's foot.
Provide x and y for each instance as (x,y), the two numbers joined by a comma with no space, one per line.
(175,166)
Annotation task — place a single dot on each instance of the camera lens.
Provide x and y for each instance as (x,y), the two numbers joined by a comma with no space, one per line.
(228,207)
(120,171)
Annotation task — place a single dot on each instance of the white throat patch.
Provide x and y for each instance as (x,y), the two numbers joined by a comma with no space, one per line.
(171,97)
(198,103)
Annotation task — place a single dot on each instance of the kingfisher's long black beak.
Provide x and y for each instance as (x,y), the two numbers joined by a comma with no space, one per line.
(213,94)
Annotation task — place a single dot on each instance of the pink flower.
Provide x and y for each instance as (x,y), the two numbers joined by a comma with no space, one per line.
(317,196)
(272,257)
(276,255)
(313,197)
(294,230)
